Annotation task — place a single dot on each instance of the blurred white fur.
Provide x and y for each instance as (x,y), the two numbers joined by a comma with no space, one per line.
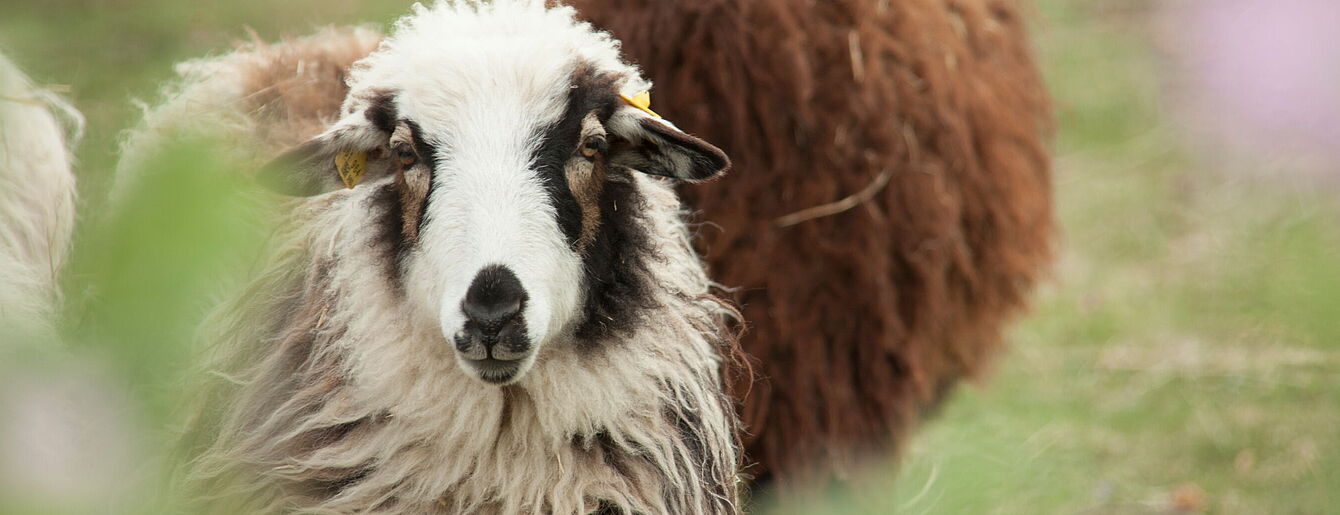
(37,198)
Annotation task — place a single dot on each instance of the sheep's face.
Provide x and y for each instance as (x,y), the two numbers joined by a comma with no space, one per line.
(493,160)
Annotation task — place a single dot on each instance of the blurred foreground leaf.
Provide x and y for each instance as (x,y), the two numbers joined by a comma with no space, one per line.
(151,263)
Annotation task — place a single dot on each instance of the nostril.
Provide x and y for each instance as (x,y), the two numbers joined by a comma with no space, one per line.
(494,298)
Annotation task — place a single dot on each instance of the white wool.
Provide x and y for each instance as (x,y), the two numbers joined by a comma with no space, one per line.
(339,392)
(37,198)
(444,438)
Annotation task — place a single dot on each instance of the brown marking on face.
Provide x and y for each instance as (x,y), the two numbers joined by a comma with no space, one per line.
(413,185)
(412,181)
(585,173)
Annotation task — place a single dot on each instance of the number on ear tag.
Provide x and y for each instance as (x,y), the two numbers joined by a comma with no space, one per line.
(351,166)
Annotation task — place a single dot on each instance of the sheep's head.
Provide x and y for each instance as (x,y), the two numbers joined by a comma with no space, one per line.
(497,127)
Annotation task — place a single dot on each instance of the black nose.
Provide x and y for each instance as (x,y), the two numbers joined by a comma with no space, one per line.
(493,302)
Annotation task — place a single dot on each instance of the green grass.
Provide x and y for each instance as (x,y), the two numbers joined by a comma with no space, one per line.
(1190,334)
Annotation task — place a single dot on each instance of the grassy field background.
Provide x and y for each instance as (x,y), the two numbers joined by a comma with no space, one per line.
(1184,356)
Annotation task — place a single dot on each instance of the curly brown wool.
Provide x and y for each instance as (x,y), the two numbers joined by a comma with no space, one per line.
(295,87)
(863,318)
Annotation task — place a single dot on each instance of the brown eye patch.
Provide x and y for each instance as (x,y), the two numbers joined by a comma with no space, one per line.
(585,174)
(413,178)
(400,205)
(398,208)
(589,91)
(413,184)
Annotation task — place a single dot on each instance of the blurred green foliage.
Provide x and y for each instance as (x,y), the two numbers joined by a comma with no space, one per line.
(143,277)
(1186,352)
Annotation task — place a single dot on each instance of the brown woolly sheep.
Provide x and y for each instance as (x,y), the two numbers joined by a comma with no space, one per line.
(891,205)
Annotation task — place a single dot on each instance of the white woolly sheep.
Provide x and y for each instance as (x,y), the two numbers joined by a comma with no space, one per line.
(487,301)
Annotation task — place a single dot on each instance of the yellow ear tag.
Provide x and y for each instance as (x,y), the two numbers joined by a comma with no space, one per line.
(351,166)
(641,101)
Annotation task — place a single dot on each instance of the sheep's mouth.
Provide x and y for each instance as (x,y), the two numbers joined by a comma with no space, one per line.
(495,371)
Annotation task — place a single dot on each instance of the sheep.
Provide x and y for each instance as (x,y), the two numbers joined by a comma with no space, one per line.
(483,297)
(890,213)
(37,201)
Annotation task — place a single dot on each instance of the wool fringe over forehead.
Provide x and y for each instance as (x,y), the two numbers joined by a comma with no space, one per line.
(861,320)
(474,38)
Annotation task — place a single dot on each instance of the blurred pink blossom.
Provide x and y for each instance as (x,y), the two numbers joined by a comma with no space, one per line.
(1265,74)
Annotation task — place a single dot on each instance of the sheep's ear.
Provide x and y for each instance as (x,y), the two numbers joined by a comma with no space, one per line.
(651,145)
(342,157)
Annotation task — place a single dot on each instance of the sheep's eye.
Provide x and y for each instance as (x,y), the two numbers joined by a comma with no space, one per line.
(405,155)
(593,146)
